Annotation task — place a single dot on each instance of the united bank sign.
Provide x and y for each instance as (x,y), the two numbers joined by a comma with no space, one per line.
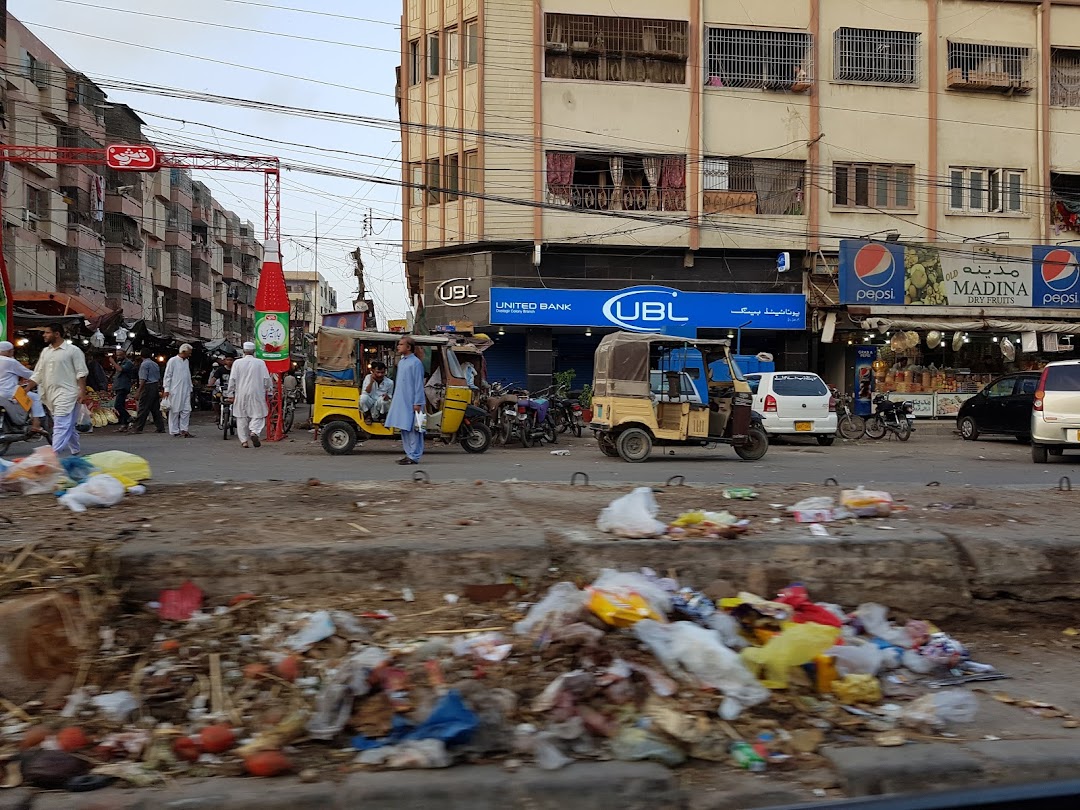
(646,309)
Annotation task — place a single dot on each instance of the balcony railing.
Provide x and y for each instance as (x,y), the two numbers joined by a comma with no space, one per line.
(608,198)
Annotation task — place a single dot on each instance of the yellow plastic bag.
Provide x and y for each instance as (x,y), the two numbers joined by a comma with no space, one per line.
(127,468)
(621,609)
(798,644)
(857,689)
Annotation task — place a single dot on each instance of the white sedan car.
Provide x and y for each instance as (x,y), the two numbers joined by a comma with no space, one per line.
(794,403)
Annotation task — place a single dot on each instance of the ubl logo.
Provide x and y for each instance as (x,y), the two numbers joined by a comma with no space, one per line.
(640,311)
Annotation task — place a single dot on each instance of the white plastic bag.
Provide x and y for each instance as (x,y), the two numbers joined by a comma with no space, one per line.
(695,655)
(875,622)
(937,710)
(562,605)
(101,490)
(37,474)
(632,516)
(625,583)
(857,659)
(84,422)
(420,420)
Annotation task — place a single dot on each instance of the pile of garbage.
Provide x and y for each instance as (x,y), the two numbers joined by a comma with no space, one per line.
(101,479)
(634,666)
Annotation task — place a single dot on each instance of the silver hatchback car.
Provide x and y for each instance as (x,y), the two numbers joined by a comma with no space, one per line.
(1055,415)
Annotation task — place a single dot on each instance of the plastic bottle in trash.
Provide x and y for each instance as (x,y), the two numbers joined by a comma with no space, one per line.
(745,757)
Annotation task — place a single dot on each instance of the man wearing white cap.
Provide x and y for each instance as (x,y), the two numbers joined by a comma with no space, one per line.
(12,373)
(249,382)
(177,390)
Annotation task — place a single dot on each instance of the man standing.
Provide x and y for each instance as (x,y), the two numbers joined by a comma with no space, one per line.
(177,388)
(149,393)
(408,401)
(249,382)
(12,373)
(375,393)
(61,375)
(125,376)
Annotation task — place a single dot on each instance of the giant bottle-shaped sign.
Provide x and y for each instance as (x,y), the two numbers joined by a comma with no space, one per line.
(272,313)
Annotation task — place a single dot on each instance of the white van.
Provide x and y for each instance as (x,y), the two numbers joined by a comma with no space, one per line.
(794,403)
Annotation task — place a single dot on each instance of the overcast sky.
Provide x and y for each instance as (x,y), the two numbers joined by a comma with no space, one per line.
(365,63)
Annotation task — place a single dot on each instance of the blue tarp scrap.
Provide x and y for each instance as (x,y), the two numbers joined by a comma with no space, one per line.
(451,721)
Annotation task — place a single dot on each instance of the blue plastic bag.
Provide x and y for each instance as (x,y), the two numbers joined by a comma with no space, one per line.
(78,469)
(450,721)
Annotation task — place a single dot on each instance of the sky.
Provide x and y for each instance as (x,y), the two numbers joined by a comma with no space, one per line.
(341,63)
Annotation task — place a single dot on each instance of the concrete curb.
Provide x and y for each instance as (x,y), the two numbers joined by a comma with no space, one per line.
(869,771)
(591,786)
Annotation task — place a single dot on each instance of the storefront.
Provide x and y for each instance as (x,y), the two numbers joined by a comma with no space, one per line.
(551,318)
(935,323)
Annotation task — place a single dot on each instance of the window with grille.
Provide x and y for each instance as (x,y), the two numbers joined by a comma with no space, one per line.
(986,190)
(758,59)
(453,177)
(875,56)
(597,182)
(993,68)
(616,49)
(433,55)
(873,186)
(736,185)
(472,43)
(1065,77)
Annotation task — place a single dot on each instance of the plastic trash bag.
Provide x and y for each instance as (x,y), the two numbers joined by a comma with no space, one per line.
(867,503)
(874,619)
(408,755)
(101,490)
(694,654)
(937,710)
(77,468)
(857,659)
(38,473)
(451,722)
(798,644)
(635,744)
(126,467)
(628,597)
(562,605)
(84,421)
(632,516)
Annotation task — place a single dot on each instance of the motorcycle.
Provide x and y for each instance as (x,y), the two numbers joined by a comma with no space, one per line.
(535,421)
(568,413)
(891,417)
(502,411)
(16,426)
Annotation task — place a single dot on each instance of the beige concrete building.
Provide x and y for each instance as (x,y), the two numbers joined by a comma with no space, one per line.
(601,144)
(311,296)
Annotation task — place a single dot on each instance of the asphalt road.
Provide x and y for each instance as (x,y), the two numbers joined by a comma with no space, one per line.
(934,453)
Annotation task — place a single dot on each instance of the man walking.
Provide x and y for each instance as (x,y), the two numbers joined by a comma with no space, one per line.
(249,382)
(60,374)
(124,377)
(12,373)
(375,393)
(177,389)
(149,393)
(408,402)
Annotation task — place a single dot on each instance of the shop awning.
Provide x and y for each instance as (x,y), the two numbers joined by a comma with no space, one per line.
(884,325)
(57,303)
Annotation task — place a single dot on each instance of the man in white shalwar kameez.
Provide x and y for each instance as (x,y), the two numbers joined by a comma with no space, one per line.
(177,391)
(249,383)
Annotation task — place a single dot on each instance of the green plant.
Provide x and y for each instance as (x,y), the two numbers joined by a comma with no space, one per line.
(564,379)
(585,397)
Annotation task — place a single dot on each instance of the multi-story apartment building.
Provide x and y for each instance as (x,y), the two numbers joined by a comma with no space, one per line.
(153,245)
(578,149)
(311,296)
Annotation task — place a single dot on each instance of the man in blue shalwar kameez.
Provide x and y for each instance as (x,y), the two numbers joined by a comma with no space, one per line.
(408,401)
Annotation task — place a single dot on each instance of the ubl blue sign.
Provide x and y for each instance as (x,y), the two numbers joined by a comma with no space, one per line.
(646,309)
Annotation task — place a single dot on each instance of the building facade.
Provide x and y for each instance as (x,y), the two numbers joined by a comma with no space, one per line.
(154,245)
(716,147)
(311,297)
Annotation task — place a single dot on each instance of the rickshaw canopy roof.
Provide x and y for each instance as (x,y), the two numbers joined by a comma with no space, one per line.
(623,360)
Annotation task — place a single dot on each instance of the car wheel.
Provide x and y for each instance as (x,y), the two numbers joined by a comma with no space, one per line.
(826,441)
(969,429)
(634,445)
(338,438)
(1055,451)
(1040,454)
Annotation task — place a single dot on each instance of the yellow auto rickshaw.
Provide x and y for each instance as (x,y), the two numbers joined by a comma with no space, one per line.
(640,399)
(344,359)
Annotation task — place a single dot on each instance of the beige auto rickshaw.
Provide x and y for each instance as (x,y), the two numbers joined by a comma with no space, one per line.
(630,417)
(344,359)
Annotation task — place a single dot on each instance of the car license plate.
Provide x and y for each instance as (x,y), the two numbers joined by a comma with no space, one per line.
(804,426)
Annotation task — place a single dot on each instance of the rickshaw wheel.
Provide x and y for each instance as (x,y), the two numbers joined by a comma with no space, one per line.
(634,445)
(338,438)
(477,440)
(607,445)
(756,446)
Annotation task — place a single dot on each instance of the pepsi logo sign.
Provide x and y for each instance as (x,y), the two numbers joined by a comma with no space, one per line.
(1060,271)
(874,265)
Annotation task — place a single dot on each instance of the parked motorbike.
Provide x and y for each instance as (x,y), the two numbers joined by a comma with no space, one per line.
(891,417)
(502,411)
(567,413)
(535,422)
(15,425)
